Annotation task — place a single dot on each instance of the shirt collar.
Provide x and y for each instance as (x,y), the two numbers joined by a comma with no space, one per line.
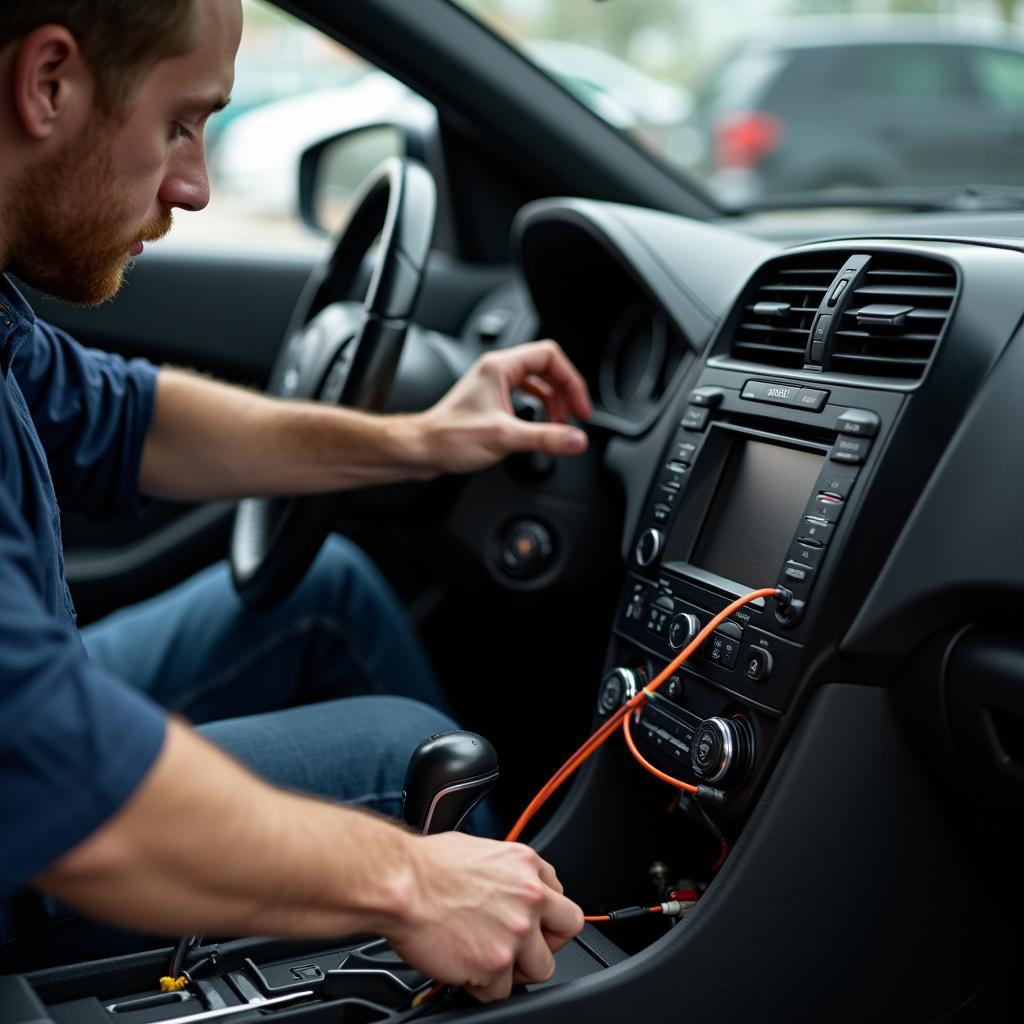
(16,321)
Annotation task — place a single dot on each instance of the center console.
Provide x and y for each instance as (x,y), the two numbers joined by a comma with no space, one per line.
(754,489)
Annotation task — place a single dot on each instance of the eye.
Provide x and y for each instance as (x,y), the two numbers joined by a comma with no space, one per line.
(179,131)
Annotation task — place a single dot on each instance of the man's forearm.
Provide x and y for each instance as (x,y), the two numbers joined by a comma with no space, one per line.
(210,440)
(204,845)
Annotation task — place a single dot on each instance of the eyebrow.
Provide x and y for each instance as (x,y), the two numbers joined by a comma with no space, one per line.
(205,105)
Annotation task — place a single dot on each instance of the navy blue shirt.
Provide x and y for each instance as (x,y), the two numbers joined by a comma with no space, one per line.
(75,741)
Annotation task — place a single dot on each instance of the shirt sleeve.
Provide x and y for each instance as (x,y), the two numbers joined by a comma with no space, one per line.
(92,411)
(75,741)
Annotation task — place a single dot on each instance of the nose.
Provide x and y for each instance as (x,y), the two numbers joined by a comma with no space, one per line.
(186,186)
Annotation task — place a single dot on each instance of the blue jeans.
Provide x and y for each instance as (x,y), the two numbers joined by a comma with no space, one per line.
(329,693)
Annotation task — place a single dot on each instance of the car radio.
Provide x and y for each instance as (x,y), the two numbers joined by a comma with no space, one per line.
(751,491)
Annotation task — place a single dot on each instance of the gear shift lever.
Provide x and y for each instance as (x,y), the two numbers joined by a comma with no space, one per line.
(448,775)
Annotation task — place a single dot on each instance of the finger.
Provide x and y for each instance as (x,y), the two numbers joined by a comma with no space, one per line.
(549,877)
(561,918)
(535,962)
(550,438)
(555,405)
(556,942)
(499,988)
(545,359)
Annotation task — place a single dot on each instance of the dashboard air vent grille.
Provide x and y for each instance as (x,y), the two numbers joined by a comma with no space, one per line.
(779,306)
(893,319)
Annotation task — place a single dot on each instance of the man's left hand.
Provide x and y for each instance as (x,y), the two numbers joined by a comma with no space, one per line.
(474,425)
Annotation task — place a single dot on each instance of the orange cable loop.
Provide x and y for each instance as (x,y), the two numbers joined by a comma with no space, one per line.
(620,716)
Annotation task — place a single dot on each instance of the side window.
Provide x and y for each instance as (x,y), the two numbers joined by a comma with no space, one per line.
(1000,77)
(916,74)
(293,87)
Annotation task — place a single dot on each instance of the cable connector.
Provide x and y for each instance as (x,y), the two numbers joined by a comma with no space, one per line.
(677,908)
(708,794)
(628,912)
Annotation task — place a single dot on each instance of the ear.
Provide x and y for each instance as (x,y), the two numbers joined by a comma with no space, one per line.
(52,84)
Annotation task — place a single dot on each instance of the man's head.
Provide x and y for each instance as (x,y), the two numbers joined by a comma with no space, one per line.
(101,130)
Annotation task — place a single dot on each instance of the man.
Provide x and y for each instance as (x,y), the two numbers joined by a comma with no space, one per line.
(109,805)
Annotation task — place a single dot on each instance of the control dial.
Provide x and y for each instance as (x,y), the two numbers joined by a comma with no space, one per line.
(682,629)
(648,547)
(722,750)
(617,687)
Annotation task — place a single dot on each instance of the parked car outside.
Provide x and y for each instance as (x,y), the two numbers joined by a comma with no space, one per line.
(887,106)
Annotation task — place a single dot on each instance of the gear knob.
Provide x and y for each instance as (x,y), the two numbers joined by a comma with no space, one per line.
(448,775)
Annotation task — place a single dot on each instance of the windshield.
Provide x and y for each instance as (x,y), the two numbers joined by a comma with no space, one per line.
(802,102)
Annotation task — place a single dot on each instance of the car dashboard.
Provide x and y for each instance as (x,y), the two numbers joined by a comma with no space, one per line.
(837,418)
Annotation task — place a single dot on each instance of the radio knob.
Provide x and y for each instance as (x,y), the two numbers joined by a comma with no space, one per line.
(722,750)
(648,547)
(617,687)
(682,629)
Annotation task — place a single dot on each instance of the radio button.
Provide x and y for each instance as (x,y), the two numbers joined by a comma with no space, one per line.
(815,531)
(684,452)
(852,450)
(806,554)
(825,507)
(711,398)
(811,398)
(797,575)
(834,480)
(695,418)
(648,547)
(775,394)
(859,422)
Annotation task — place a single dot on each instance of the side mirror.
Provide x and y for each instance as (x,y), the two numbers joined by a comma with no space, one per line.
(331,171)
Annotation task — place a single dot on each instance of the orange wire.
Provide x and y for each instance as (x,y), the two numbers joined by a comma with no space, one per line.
(678,783)
(656,909)
(602,733)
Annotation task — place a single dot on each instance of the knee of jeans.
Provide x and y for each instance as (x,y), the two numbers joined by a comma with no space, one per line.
(410,722)
(339,568)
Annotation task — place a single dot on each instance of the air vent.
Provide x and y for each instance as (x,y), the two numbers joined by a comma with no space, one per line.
(779,306)
(892,321)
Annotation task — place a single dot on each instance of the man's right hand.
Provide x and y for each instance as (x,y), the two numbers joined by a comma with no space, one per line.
(484,915)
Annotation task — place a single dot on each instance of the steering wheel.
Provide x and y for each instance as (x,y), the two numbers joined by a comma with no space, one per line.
(342,352)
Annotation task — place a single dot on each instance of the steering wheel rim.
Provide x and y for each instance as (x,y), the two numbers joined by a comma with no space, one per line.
(341,354)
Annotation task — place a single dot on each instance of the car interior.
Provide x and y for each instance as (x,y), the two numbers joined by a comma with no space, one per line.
(814,402)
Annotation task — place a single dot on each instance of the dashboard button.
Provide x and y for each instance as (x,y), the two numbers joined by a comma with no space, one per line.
(797,575)
(661,513)
(852,450)
(815,530)
(774,394)
(682,629)
(812,398)
(825,507)
(695,418)
(757,664)
(711,398)
(806,554)
(837,289)
(837,480)
(858,422)
(731,629)
(684,452)
(648,547)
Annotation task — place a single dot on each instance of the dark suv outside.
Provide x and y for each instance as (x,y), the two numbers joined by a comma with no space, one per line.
(880,109)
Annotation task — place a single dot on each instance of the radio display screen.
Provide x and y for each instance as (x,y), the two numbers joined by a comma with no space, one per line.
(754,512)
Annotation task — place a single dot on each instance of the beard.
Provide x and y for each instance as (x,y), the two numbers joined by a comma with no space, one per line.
(69,237)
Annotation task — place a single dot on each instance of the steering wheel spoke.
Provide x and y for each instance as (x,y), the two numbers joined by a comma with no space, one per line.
(341,351)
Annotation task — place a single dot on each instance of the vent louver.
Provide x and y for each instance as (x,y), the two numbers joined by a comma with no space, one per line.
(893,319)
(778,309)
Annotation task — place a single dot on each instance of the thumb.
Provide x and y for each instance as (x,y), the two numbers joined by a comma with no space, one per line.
(550,438)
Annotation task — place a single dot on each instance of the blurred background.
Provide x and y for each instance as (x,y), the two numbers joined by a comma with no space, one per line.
(760,103)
